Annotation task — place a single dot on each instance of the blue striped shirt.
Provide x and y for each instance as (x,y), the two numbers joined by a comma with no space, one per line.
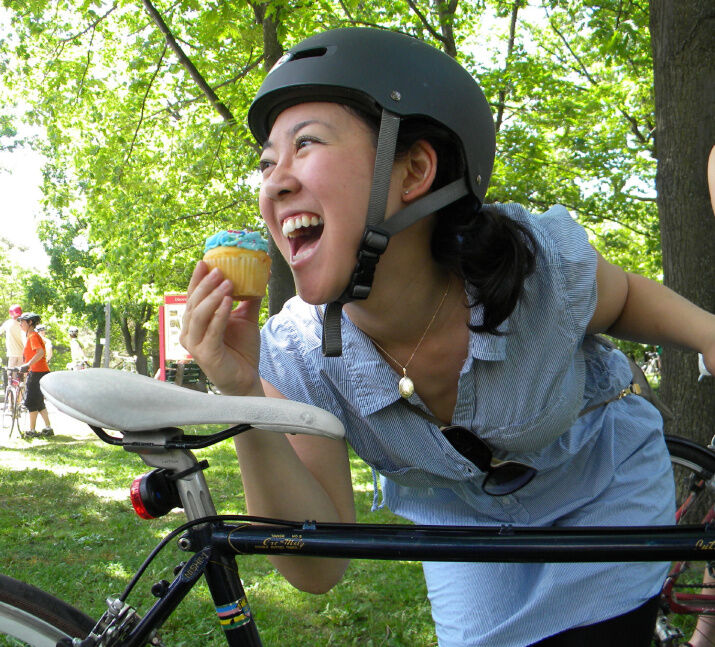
(521,393)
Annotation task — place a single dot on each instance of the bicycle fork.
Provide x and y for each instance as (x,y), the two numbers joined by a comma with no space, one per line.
(219,568)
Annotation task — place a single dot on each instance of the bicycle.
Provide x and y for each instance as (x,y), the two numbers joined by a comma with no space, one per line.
(14,413)
(124,362)
(149,415)
(684,591)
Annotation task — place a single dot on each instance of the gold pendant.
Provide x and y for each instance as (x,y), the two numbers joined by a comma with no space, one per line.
(406,386)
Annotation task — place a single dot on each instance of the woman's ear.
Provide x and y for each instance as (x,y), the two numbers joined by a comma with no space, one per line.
(419,170)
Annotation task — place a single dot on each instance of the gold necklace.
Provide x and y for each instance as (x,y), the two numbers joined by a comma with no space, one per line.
(406,387)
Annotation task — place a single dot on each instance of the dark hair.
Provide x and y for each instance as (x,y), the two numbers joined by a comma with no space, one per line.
(491,252)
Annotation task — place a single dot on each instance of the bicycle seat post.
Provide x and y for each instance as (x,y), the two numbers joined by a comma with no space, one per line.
(192,486)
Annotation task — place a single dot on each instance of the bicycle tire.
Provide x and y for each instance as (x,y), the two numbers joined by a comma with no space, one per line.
(22,418)
(32,617)
(689,460)
(10,412)
(694,474)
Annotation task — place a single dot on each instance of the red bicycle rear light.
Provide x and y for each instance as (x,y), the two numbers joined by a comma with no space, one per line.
(154,494)
(136,498)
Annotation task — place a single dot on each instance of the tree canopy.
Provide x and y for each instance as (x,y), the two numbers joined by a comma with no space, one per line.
(144,106)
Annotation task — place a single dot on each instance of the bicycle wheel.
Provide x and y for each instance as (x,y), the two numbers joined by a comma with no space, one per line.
(29,616)
(685,593)
(22,418)
(8,411)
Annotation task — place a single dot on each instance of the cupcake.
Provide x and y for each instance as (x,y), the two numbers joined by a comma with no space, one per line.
(243,258)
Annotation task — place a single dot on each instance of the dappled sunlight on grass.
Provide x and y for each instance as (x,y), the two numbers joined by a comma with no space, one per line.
(68,528)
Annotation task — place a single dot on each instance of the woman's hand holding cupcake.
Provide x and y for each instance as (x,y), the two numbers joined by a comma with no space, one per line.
(225,342)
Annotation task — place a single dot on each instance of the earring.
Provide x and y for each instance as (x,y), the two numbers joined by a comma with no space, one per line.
(405,192)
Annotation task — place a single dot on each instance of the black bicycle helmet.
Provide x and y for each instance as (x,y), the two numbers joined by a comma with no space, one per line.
(396,77)
(31,317)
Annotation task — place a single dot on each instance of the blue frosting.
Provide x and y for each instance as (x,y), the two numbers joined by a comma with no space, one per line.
(233,238)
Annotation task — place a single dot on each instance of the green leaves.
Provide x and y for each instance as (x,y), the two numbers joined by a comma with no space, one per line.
(143,166)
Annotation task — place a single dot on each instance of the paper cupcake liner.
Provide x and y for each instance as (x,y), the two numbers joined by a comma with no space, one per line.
(248,273)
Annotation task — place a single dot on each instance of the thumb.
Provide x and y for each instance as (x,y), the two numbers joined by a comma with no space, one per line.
(248,309)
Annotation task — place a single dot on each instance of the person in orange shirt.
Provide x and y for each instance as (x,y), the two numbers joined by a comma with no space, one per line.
(36,364)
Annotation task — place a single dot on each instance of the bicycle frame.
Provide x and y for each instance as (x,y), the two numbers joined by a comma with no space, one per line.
(104,398)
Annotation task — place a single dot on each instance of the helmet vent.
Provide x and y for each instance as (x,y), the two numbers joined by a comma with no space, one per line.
(310,53)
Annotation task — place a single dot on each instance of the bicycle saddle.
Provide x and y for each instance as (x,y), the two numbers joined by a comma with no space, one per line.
(112,399)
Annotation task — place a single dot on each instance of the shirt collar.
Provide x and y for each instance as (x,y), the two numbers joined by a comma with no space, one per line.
(483,345)
(373,380)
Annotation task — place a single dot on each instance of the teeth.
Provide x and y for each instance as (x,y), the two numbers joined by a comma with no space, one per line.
(288,227)
(298,222)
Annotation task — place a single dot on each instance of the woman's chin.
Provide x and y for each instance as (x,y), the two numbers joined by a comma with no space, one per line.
(316,296)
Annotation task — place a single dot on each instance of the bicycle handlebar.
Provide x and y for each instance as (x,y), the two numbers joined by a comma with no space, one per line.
(112,399)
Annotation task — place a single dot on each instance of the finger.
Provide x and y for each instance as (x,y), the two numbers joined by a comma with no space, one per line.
(248,310)
(201,308)
(200,271)
(216,328)
(210,280)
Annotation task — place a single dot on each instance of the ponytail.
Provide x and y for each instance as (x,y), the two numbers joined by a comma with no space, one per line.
(491,252)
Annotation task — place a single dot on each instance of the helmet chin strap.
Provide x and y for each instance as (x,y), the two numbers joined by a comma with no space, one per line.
(378,230)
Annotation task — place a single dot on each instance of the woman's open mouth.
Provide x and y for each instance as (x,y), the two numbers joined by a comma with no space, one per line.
(303,233)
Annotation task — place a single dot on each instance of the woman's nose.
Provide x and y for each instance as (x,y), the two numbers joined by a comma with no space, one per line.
(280,183)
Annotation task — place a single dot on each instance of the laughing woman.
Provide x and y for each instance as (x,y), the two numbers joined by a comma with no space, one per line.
(479,318)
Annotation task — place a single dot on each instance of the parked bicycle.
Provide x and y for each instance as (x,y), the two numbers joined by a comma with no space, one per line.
(150,414)
(124,362)
(685,592)
(14,413)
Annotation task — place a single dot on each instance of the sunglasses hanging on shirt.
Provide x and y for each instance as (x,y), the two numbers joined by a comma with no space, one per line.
(502,477)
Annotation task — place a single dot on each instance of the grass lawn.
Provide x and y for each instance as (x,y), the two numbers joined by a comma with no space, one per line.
(66,526)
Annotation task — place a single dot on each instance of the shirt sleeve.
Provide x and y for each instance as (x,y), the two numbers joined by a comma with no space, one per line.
(36,343)
(283,360)
(565,245)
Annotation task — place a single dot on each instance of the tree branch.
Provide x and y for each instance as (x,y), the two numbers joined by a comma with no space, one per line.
(510,49)
(581,66)
(91,27)
(435,34)
(187,64)
(141,112)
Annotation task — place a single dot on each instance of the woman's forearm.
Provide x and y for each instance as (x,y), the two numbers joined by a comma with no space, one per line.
(278,483)
(654,314)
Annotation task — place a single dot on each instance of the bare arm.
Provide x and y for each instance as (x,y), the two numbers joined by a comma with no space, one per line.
(298,477)
(632,307)
(290,477)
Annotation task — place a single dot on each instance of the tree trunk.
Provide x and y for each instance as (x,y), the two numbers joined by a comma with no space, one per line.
(683,63)
(98,345)
(281,286)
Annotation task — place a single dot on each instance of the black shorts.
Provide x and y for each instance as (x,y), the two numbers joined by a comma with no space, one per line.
(34,400)
(632,629)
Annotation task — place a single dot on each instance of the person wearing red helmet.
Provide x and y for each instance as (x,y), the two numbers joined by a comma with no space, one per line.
(14,337)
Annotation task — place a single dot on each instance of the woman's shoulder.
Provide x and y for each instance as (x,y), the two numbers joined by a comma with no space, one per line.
(296,328)
(555,227)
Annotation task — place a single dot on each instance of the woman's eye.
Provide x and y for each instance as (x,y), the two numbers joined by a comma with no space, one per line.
(263,165)
(304,140)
